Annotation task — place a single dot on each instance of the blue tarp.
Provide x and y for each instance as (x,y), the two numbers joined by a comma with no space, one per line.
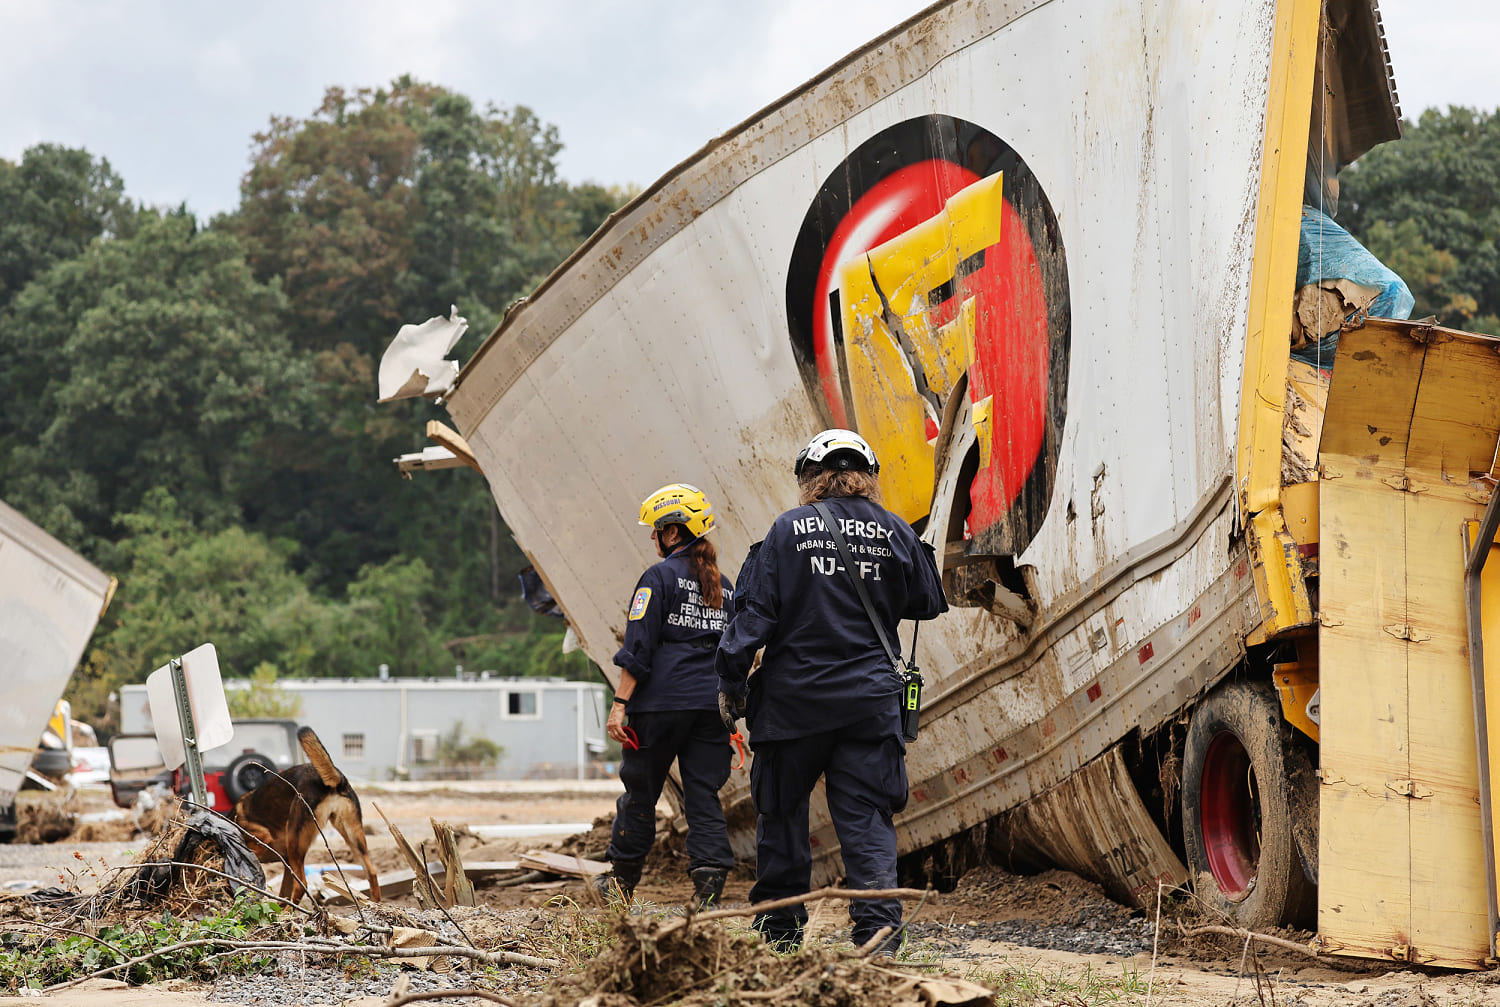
(1328,252)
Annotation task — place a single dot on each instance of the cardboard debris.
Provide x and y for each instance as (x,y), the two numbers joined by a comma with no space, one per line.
(403,937)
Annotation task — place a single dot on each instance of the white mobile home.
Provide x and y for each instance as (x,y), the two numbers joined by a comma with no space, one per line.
(382,730)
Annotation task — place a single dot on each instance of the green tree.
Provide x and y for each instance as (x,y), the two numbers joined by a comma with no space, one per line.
(52,204)
(180,588)
(153,360)
(1429,206)
(263,697)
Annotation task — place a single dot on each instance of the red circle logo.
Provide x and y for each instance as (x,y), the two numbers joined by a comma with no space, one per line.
(928,308)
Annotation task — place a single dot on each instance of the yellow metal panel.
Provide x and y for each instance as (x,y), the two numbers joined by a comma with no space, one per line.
(1278,574)
(1449,907)
(1296,686)
(1274,269)
(1364,833)
(1299,504)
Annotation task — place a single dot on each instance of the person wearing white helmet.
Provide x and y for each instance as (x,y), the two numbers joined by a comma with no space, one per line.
(824,701)
(669,691)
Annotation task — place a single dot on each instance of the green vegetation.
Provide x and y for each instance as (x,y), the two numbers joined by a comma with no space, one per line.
(263,697)
(1428,205)
(38,961)
(191,405)
(457,749)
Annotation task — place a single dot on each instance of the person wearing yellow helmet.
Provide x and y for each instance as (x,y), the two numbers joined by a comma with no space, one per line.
(669,692)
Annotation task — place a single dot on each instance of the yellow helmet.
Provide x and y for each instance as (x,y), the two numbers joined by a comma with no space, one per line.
(681,504)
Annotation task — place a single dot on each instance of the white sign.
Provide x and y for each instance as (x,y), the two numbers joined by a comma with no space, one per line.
(205,697)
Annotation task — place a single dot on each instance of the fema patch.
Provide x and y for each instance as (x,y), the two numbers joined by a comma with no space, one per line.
(638,605)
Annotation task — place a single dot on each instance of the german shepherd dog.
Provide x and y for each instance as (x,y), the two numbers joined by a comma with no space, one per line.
(285,813)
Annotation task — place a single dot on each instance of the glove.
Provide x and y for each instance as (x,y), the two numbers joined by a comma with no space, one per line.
(731,708)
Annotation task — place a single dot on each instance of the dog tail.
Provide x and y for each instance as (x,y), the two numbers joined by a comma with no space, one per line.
(319,757)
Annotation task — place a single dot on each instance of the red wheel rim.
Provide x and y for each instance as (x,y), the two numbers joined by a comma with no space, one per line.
(1230,816)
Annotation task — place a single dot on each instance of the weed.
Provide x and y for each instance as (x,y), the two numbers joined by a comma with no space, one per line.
(1024,986)
(38,960)
(578,936)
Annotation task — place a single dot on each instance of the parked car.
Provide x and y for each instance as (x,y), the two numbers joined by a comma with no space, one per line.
(260,745)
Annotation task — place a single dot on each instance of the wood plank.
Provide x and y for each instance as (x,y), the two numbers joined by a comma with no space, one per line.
(1457,411)
(1449,905)
(1364,836)
(559,863)
(400,882)
(1371,397)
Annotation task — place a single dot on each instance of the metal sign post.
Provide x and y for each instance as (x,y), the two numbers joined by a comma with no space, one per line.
(192,760)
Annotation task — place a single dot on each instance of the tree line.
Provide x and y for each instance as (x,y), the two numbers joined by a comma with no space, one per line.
(191,406)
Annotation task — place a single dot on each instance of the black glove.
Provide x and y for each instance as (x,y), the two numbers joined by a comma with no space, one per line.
(731,708)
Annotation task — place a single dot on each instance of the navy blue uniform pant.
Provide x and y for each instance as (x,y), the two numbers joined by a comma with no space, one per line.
(864,771)
(697,740)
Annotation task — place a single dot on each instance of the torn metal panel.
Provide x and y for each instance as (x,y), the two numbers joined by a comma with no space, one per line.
(414,365)
(50,601)
(1093,824)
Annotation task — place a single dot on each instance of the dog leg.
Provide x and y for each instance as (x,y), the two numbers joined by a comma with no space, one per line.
(347,820)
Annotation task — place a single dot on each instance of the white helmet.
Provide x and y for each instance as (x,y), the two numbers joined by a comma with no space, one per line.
(837,449)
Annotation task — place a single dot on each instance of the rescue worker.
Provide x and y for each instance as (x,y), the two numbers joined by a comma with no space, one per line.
(669,691)
(824,701)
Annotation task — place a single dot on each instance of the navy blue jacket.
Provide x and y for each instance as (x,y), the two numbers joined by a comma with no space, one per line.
(670,637)
(823,666)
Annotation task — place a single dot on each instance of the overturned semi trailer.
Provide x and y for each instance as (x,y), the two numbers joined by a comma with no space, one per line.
(1042,255)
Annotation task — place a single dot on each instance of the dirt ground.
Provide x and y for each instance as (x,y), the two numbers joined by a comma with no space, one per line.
(1048,939)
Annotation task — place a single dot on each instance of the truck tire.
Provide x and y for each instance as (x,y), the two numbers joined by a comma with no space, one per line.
(1237,819)
(244,774)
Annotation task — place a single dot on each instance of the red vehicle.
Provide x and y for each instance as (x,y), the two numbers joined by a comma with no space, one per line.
(260,745)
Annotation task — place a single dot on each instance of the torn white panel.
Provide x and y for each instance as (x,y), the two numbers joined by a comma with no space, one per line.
(414,363)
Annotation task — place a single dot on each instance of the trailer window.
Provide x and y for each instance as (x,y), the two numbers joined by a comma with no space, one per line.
(354,746)
(522,704)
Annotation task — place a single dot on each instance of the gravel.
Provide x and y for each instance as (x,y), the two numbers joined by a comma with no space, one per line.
(41,863)
(1122,938)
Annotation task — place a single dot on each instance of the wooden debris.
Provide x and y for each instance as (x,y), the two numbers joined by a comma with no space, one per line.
(559,863)
(458,890)
(401,882)
(425,890)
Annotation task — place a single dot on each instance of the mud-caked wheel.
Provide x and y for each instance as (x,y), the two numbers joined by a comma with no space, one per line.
(1237,810)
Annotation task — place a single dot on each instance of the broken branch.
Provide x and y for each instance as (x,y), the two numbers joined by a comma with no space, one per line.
(1248,935)
(322,947)
(412,998)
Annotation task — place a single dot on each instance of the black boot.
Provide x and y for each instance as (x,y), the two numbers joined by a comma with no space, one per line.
(708,886)
(625,876)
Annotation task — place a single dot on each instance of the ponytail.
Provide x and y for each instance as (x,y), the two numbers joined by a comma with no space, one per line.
(704,559)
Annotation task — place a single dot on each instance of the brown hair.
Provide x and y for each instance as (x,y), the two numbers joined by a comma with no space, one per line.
(821,484)
(704,559)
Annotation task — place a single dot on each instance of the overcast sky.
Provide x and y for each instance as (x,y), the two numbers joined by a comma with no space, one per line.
(171,91)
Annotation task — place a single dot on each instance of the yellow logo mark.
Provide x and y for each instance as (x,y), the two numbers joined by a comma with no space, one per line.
(901,367)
